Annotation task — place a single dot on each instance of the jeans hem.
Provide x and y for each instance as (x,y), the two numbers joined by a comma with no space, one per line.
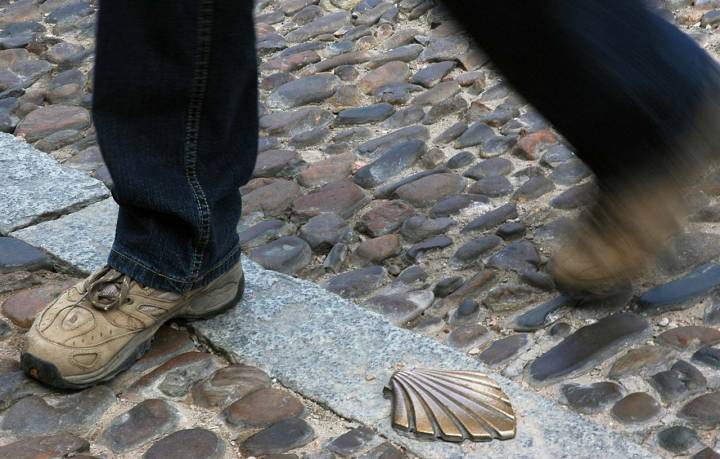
(138,271)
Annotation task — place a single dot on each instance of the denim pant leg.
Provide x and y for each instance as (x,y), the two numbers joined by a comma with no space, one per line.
(175,108)
(620,83)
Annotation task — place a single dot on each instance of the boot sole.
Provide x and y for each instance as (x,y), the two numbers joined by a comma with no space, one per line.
(48,373)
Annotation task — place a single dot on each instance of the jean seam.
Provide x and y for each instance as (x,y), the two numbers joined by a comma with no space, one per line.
(192,131)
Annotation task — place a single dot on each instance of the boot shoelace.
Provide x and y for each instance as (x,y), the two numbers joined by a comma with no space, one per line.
(107,289)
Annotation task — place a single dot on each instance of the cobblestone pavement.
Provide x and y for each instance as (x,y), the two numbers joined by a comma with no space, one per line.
(398,170)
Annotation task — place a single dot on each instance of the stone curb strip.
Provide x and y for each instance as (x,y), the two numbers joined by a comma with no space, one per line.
(341,355)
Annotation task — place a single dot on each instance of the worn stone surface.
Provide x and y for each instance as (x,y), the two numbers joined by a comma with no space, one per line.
(591,344)
(640,360)
(77,413)
(703,411)
(637,407)
(61,445)
(188,444)
(34,186)
(146,421)
(280,437)
(678,439)
(592,398)
(262,408)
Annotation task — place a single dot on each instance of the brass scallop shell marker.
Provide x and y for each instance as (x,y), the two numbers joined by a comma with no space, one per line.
(451,405)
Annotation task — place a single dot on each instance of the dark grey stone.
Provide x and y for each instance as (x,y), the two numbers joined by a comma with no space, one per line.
(432,74)
(352,441)
(679,382)
(394,138)
(418,250)
(490,167)
(675,295)
(16,255)
(445,107)
(542,316)
(282,436)
(678,439)
(356,283)
(76,413)
(476,134)
(287,255)
(451,133)
(494,186)
(146,421)
(461,159)
(709,356)
(188,444)
(592,398)
(468,311)
(556,155)
(406,117)
(293,122)
(492,218)
(575,197)
(533,189)
(306,90)
(412,274)
(420,227)
(363,115)
(454,204)
(503,349)
(570,172)
(471,252)
(391,163)
(588,346)
(446,286)
(517,256)
(323,231)
(388,190)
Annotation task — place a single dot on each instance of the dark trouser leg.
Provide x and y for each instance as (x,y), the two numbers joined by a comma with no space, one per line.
(175,107)
(621,84)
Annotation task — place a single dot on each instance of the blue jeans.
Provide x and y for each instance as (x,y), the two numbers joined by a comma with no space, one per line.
(175,107)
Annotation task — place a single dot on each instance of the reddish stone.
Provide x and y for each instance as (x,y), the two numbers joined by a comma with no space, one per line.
(385,218)
(392,72)
(428,190)
(692,336)
(343,197)
(22,307)
(327,171)
(528,146)
(47,120)
(277,163)
(263,408)
(272,199)
(380,248)
(186,360)
(290,63)
(227,384)
(167,343)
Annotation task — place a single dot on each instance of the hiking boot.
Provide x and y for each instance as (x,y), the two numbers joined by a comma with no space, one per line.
(103,324)
(618,238)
